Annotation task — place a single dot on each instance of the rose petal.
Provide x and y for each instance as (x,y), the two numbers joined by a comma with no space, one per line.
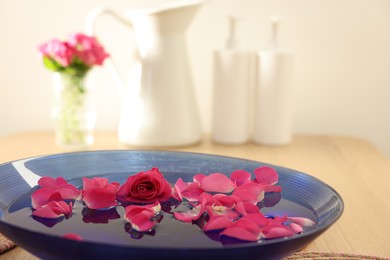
(155,207)
(67,191)
(271,232)
(240,208)
(267,175)
(99,198)
(176,194)
(198,177)
(189,190)
(246,196)
(96,182)
(240,177)
(140,217)
(43,196)
(257,218)
(46,212)
(222,211)
(53,210)
(251,208)
(206,199)
(225,200)
(217,223)
(73,236)
(296,228)
(141,221)
(47,182)
(243,229)
(303,222)
(217,182)
(257,190)
(190,215)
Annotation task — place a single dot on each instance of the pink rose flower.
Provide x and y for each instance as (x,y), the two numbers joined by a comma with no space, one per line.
(145,187)
(60,51)
(88,49)
(98,193)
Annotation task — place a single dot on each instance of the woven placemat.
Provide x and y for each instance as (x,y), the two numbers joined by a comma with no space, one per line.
(330,256)
(5,244)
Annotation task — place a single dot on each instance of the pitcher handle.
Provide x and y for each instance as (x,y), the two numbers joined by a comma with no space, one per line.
(90,23)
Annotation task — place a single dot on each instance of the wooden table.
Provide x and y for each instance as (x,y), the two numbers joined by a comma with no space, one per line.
(354,167)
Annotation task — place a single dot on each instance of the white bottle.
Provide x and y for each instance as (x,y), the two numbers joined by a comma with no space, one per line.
(273,108)
(232,69)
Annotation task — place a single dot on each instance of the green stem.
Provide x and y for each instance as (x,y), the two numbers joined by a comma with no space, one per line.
(72,109)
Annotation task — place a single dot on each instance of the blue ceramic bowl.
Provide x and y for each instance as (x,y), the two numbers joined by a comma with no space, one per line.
(106,235)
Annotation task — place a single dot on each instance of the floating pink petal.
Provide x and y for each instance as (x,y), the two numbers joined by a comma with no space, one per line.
(296,228)
(251,208)
(67,191)
(190,215)
(266,175)
(243,229)
(43,196)
(155,207)
(189,190)
(217,223)
(257,218)
(53,210)
(198,177)
(222,211)
(206,199)
(99,198)
(98,193)
(257,190)
(246,196)
(49,182)
(141,221)
(224,200)
(277,231)
(73,236)
(176,194)
(240,209)
(140,217)
(217,182)
(303,222)
(240,177)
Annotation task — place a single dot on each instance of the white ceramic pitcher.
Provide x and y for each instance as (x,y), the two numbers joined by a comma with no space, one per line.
(158,103)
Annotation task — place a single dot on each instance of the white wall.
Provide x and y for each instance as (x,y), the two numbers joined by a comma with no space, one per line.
(341,49)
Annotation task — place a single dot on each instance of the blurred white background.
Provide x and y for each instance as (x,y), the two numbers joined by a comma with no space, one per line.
(341,49)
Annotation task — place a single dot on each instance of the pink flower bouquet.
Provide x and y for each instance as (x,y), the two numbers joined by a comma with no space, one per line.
(75,56)
(71,60)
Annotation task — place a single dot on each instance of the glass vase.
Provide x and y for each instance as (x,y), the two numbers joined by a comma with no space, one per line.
(73,112)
